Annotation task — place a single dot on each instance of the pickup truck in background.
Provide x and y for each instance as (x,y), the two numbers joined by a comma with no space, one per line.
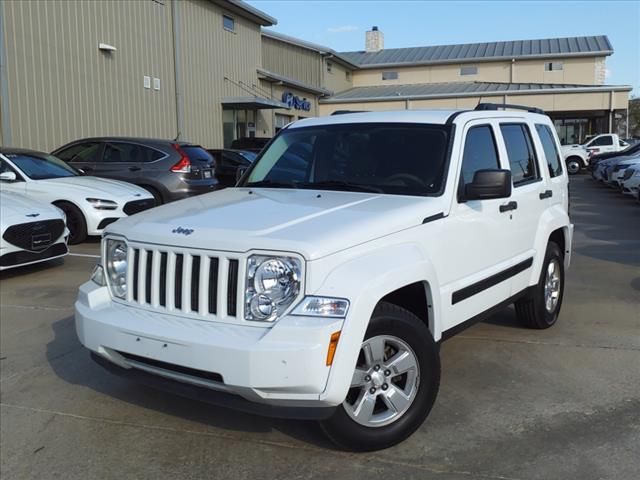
(577,156)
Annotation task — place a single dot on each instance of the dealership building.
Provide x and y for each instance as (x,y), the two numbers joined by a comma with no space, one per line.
(210,71)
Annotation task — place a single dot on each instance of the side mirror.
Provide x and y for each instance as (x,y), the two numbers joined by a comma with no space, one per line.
(8,176)
(240,172)
(488,184)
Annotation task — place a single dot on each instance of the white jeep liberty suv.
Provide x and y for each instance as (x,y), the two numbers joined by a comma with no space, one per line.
(320,286)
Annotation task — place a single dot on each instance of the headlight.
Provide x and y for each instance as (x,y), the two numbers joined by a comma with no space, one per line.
(322,307)
(102,204)
(273,283)
(116,260)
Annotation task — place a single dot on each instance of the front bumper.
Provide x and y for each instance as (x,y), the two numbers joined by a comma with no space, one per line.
(282,366)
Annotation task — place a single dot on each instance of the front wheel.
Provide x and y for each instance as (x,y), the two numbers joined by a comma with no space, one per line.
(76,222)
(573,165)
(541,307)
(394,384)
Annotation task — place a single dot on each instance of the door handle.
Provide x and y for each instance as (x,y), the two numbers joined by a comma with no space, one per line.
(546,194)
(508,206)
(134,169)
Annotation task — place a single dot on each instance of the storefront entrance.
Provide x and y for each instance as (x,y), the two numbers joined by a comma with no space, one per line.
(238,124)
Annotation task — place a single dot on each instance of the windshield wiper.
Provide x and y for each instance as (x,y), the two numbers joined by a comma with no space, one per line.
(271,183)
(343,186)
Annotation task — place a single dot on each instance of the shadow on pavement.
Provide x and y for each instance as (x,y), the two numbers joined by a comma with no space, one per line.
(71,362)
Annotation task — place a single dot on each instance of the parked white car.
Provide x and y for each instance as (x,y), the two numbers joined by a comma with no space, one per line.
(577,156)
(90,203)
(618,171)
(631,183)
(322,284)
(30,231)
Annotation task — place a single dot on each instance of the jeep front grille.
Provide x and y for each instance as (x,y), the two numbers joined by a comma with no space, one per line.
(190,282)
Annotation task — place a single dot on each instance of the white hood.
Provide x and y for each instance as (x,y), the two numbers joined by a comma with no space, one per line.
(16,208)
(95,187)
(310,222)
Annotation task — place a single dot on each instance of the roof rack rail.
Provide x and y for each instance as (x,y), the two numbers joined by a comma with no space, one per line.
(344,112)
(504,106)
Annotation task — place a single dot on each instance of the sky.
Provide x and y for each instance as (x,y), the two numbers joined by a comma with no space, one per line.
(341,24)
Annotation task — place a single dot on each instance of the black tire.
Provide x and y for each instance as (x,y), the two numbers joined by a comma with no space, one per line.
(76,222)
(574,164)
(391,320)
(157,196)
(532,310)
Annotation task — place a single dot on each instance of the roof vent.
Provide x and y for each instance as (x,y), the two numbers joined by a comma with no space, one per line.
(374,40)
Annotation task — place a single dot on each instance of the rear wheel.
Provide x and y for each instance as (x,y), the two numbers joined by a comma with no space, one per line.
(573,165)
(76,222)
(540,308)
(394,384)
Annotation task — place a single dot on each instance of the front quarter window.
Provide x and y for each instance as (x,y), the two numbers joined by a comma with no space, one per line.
(390,158)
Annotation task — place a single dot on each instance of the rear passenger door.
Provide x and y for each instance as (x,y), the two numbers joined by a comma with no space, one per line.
(556,193)
(528,198)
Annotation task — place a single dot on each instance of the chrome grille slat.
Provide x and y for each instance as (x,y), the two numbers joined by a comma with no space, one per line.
(171,276)
(155,279)
(203,297)
(142,274)
(187,281)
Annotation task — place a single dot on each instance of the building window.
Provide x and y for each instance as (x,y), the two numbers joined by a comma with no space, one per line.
(282,121)
(329,66)
(228,23)
(389,75)
(469,70)
(552,66)
(347,75)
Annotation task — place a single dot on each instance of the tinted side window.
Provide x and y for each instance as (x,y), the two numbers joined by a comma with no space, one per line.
(550,150)
(82,153)
(522,157)
(480,152)
(602,141)
(130,152)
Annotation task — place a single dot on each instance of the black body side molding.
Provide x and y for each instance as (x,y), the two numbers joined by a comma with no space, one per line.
(473,289)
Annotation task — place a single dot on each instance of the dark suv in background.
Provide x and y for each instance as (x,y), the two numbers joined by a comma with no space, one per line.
(228,162)
(168,169)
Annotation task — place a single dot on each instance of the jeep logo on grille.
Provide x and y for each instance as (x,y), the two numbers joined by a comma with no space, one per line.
(183,231)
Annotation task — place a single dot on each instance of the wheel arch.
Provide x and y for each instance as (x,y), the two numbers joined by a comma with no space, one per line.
(392,273)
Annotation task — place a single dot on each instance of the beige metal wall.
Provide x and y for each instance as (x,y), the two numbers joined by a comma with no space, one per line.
(209,53)
(336,80)
(575,70)
(557,102)
(266,118)
(291,61)
(61,87)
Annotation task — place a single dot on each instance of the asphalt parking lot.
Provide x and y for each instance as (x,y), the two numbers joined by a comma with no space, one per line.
(562,403)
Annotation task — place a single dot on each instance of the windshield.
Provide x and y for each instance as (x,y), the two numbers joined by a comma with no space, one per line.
(403,159)
(42,167)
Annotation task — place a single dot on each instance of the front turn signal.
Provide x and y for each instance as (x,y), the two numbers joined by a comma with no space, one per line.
(333,344)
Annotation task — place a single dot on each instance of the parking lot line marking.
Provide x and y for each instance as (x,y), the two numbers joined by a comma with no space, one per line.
(551,344)
(83,255)
(36,307)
